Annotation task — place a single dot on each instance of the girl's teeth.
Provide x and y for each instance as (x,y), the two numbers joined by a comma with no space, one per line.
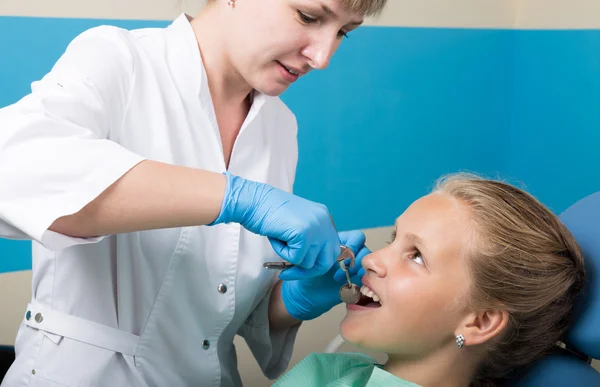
(369,293)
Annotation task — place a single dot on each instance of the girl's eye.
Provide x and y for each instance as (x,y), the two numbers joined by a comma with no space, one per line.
(418,258)
(305,18)
(392,237)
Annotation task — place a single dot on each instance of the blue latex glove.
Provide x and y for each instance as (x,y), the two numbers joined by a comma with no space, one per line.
(309,298)
(300,231)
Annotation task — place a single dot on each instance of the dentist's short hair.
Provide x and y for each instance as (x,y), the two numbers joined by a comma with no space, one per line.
(361,7)
(364,7)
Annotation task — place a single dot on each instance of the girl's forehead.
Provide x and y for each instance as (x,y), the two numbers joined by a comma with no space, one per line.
(438,223)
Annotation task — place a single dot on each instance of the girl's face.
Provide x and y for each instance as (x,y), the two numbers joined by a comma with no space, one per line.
(270,37)
(421,280)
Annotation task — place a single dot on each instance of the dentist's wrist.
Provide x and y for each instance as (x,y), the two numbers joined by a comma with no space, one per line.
(279,317)
(233,207)
(300,303)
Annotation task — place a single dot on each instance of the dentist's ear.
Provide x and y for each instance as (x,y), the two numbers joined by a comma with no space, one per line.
(482,326)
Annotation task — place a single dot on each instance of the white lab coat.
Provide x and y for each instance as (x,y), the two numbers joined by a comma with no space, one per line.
(151,308)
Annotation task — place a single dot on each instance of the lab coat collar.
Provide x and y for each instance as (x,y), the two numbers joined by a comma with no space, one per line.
(187,67)
(183,56)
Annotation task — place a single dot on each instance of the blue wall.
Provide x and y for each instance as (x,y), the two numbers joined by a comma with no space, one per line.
(29,47)
(398,107)
(555,131)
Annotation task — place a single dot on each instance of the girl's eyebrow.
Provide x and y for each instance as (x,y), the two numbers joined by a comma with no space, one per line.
(411,237)
(414,239)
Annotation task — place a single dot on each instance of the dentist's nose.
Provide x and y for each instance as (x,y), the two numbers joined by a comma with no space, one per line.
(320,51)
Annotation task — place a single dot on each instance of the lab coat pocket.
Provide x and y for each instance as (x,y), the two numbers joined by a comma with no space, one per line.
(56,339)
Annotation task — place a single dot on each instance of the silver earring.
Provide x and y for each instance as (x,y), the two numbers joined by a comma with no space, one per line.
(231,3)
(460,341)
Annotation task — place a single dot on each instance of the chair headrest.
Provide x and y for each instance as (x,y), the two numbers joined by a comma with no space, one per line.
(583,221)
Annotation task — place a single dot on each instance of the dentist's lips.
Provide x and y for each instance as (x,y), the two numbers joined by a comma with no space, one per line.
(289,74)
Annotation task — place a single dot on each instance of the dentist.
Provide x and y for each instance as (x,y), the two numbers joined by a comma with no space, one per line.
(152,170)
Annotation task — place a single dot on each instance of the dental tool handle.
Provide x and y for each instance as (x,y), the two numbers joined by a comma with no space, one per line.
(277,265)
(347,275)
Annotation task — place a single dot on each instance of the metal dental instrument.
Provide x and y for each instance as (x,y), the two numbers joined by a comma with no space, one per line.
(345,254)
(341,260)
(349,293)
(277,265)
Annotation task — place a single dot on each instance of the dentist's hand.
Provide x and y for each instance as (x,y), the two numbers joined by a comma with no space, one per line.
(309,298)
(300,231)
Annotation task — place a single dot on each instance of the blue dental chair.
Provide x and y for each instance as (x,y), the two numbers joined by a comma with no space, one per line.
(570,366)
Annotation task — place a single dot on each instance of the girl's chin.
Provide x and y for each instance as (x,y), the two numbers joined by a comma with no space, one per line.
(362,337)
(352,334)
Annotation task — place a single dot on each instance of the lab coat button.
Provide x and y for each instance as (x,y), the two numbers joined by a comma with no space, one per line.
(39,318)
(222,288)
(28,315)
(206,344)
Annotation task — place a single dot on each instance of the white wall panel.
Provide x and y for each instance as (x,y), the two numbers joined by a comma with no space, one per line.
(422,13)
(557,14)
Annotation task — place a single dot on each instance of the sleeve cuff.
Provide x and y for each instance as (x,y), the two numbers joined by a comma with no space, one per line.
(66,204)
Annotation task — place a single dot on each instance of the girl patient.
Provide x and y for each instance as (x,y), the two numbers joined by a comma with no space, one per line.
(478,280)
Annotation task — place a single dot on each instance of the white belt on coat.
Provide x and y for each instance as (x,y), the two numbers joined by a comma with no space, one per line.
(79,329)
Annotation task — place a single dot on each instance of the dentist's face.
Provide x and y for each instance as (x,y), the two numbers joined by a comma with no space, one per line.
(274,42)
(421,279)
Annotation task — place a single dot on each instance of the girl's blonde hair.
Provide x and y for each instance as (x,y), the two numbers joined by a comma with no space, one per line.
(523,260)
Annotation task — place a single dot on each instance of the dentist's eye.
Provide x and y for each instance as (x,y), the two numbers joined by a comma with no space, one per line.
(305,18)
(342,34)
(418,258)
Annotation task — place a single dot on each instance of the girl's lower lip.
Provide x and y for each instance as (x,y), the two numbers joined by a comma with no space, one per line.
(286,75)
(356,307)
